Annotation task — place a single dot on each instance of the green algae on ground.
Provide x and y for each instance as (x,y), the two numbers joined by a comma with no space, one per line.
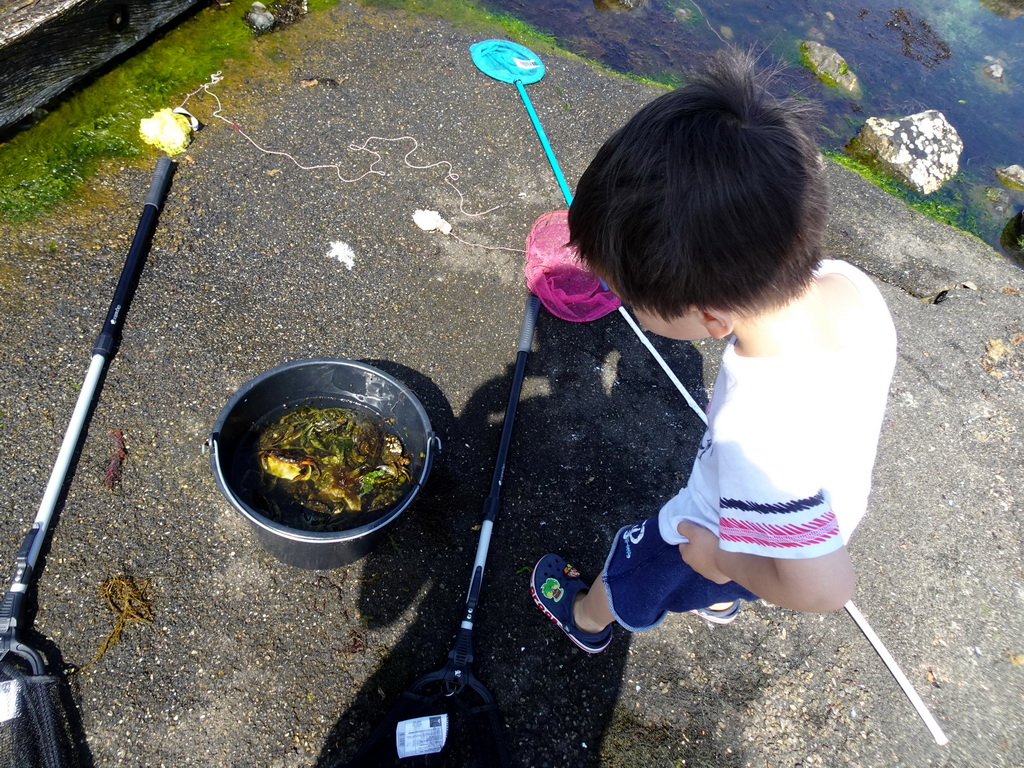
(48,163)
(943,206)
(44,164)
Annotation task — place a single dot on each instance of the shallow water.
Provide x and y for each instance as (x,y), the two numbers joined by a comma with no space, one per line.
(921,55)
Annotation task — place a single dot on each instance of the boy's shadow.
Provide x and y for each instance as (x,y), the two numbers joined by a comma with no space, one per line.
(601,440)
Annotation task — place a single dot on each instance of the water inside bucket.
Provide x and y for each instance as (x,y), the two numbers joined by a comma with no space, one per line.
(320,495)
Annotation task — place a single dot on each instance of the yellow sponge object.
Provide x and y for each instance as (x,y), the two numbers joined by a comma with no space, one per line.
(170,132)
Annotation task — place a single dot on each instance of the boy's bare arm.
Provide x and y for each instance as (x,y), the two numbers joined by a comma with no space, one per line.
(819,584)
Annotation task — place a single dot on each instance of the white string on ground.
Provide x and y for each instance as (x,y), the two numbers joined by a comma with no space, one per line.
(486,247)
(449,178)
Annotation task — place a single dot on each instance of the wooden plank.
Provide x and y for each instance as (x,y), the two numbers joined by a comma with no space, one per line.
(46,46)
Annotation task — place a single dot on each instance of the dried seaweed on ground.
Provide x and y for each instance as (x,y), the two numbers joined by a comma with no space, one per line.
(113,474)
(130,602)
(1003,358)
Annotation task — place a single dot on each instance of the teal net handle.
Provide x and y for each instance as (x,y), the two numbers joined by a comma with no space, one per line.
(544,143)
(491,58)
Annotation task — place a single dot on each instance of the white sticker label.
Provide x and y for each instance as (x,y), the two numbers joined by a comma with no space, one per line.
(525,63)
(421,736)
(8,700)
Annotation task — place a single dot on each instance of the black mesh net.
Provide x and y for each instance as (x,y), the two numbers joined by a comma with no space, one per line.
(34,728)
(475,736)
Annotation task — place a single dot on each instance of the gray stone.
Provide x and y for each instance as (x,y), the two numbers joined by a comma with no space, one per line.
(829,66)
(1012,176)
(994,69)
(259,18)
(998,200)
(920,150)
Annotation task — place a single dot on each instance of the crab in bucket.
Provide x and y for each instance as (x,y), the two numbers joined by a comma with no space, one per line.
(331,461)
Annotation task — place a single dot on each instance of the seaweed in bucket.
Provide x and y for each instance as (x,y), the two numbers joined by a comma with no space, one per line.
(324,468)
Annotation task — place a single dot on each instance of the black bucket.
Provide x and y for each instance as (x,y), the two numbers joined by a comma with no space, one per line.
(344,382)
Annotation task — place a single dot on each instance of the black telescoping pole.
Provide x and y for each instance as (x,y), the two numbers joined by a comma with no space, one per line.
(462,653)
(106,344)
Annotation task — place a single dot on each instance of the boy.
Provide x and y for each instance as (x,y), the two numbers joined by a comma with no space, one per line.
(705,213)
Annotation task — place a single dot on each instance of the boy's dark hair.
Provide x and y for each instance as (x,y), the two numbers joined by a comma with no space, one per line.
(712,196)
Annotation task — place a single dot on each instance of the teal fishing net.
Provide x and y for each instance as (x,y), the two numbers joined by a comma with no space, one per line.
(507,61)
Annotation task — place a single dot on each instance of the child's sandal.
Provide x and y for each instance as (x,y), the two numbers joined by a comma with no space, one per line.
(719,616)
(554,587)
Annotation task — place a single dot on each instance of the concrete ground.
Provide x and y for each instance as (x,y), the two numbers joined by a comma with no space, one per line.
(252,662)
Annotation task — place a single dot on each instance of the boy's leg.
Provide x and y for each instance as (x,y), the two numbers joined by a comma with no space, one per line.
(590,611)
(645,579)
(643,576)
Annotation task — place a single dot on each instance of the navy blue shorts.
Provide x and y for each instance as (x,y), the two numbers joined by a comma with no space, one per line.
(646,579)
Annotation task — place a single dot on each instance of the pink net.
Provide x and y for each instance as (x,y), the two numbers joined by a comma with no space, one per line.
(556,276)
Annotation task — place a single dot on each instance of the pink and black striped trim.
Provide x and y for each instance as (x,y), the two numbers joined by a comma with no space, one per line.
(816,531)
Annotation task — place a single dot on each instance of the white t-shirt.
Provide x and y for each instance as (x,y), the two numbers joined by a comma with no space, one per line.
(784,468)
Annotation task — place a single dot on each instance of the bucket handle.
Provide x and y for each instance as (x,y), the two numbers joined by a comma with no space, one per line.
(433,448)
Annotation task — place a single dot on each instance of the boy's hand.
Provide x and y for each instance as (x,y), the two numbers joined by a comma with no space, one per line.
(701,552)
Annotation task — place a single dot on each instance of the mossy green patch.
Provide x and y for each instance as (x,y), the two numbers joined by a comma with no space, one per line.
(521,30)
(946,206)
(807,61)
(472,15)
(685,12)
(465,13)
(669,78)
(316,6)
(46,163)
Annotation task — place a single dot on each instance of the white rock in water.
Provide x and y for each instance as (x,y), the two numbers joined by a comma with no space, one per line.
(1012,176)
(994,69)
(921,150)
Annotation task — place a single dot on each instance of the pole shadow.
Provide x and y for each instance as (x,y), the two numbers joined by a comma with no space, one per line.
(601,440)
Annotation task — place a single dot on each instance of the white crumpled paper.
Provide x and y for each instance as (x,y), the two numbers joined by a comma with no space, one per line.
(431,220)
